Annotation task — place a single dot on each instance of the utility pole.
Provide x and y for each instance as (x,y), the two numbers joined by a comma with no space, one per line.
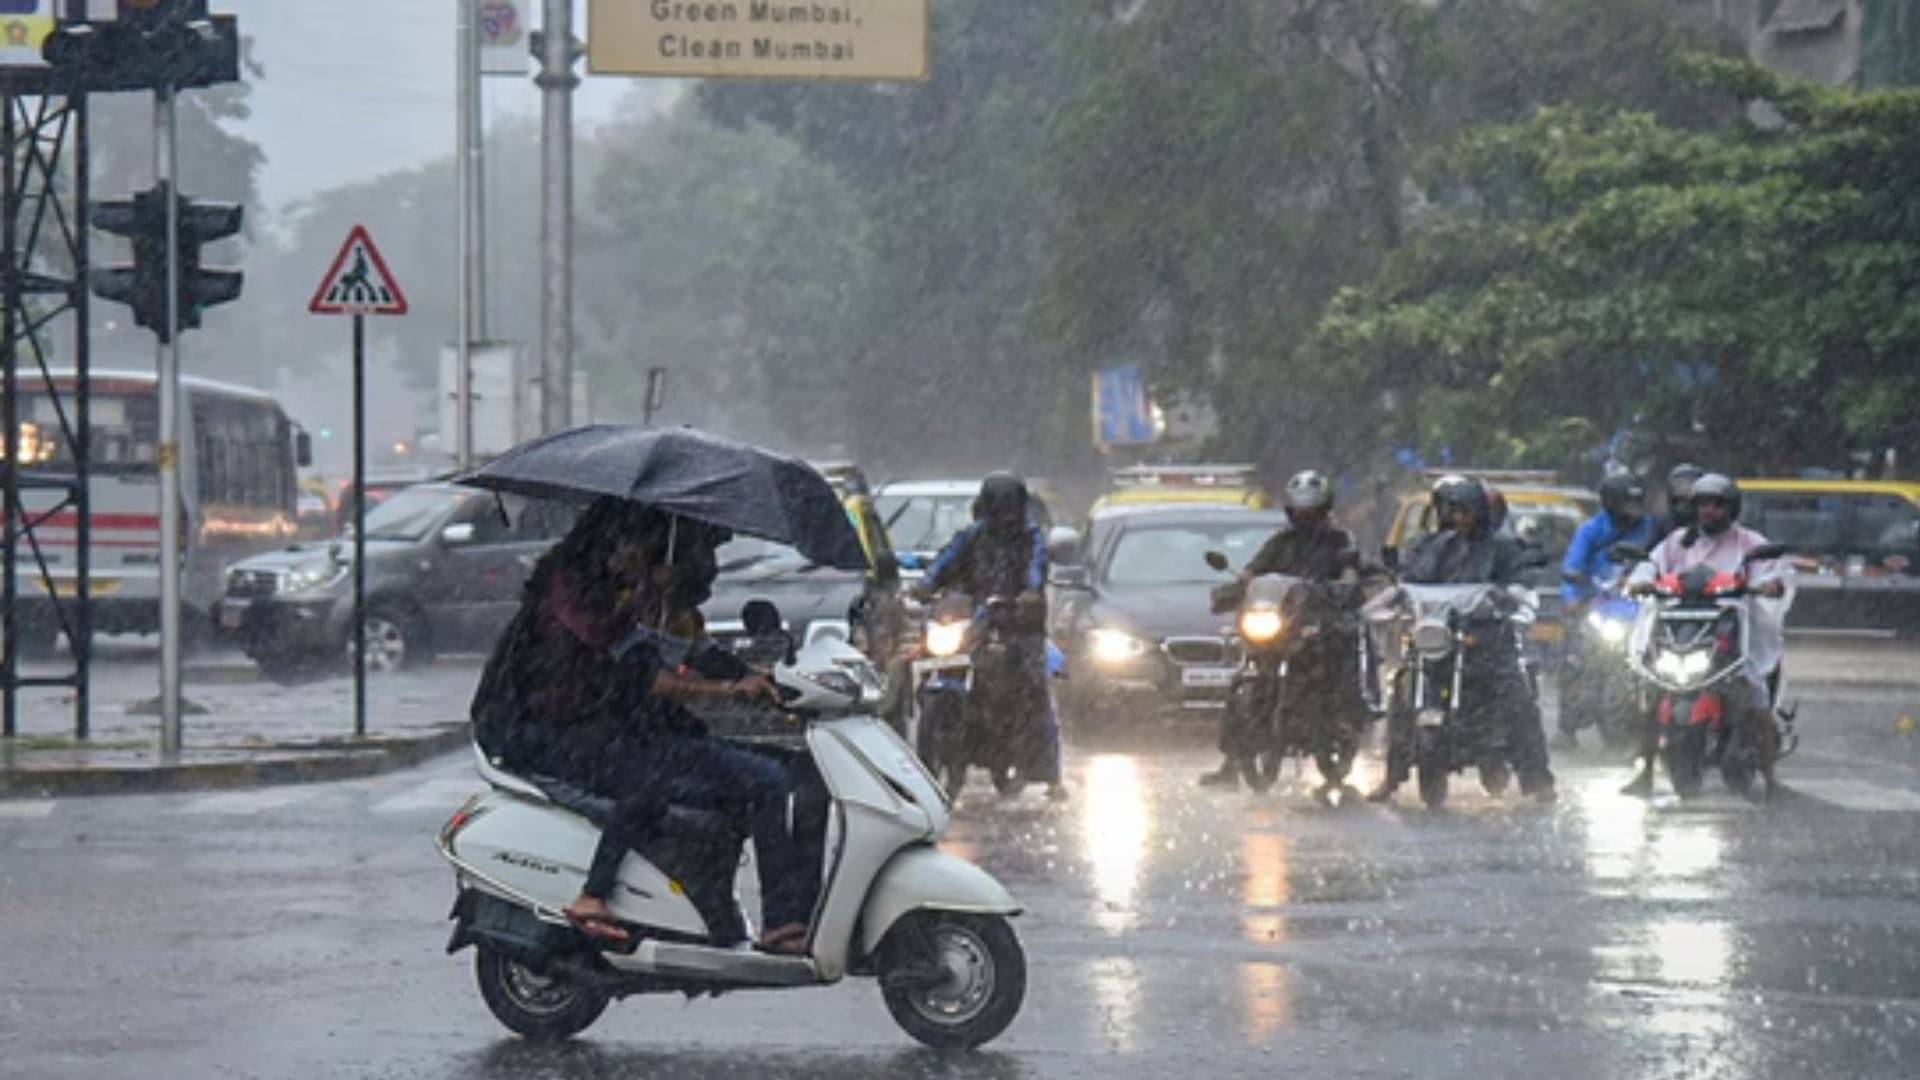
(556,81)
(166,169)
(467,113)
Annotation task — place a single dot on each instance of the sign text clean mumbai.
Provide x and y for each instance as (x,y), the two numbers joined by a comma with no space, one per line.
(759,39)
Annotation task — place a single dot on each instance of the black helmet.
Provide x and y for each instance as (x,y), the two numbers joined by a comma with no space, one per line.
(1680,481)
(1307,498)
(1713,486)
(1456,490)
(1623,495)
(1002,502)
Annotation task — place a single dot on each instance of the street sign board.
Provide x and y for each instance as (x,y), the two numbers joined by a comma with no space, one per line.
(759,39)
(503,36)
(1122,411)
(359,282)
(24,26)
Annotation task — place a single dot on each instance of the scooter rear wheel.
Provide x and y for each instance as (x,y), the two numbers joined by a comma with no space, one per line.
(1686,754)
(541,1008)
(979,983)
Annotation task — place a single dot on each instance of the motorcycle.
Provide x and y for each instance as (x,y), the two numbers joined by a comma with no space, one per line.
(1281,624)
(1692,641)
(1435,627)
(1598,688)
(933,928)
(970,691)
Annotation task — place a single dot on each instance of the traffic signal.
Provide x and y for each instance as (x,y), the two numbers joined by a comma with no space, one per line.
(143,285)
(145,45)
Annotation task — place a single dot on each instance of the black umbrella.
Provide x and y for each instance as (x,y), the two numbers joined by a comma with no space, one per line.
(685,472)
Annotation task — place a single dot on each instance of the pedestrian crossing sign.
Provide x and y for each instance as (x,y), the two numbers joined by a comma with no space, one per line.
(359,282)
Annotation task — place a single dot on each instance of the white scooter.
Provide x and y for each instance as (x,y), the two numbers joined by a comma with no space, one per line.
(932,927)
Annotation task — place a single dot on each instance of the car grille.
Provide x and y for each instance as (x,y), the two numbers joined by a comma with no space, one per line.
(252,584)
(1196,650)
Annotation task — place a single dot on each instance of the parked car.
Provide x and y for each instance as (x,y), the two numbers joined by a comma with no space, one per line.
(445,566)
(921,516)
(1133,615)
(1856,546)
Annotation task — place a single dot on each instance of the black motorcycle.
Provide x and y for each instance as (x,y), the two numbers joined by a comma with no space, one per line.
(1300,690)
(977,702)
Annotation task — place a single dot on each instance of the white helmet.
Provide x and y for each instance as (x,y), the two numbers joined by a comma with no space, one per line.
(1307,496)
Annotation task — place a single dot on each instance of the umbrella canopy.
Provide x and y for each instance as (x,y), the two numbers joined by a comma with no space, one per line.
(685,472)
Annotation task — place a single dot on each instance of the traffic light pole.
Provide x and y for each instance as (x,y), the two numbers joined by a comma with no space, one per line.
(166,168)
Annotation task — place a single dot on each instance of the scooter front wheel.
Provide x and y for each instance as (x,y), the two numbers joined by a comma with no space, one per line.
(541,1007)
(953,981)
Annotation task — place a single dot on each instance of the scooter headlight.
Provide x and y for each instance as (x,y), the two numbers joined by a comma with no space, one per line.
(1432,637)
(1260,625)
(945,638)
(1609,631)
(1114,647)
(1695,665)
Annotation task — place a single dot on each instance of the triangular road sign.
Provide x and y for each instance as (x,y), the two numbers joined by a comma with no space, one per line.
(359,282)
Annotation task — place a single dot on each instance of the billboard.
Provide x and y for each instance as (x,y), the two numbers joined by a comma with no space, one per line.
(759,39)
(24,25)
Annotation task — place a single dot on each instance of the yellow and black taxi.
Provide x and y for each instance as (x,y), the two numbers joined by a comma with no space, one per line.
(1855,546)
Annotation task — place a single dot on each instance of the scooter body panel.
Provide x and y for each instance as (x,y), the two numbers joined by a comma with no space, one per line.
(538,854)
(925,878)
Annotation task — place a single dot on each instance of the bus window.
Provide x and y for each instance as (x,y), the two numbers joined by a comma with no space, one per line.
(126,431)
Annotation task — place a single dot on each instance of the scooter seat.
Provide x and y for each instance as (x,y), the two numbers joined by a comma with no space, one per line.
(673,820)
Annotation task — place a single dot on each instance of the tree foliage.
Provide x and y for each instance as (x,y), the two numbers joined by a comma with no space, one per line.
(1749,285)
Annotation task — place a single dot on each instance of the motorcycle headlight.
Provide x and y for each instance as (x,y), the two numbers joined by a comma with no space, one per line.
(1110,646)
(1610,631)
(1433,638)
(945,638)
(1696,664)
(1669,665)
(1260,625)
(838,682)
(312,576)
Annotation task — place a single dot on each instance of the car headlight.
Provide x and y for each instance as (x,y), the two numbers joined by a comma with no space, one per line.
(1260,625)
(945,638)
(1110,646)
(312,576)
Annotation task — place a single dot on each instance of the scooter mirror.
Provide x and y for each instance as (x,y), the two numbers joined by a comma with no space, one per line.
(1218,561)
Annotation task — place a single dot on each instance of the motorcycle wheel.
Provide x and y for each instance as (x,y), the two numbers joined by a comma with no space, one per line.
(982,983)
(1336,761)
(1494,778)
(1434,770)
(1685,754)
(540,1008)
(1007,782)
(1261,770)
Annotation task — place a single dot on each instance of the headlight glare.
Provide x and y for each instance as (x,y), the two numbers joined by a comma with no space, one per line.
(1111,646)
(945,638)
(312,576)
(1260,625)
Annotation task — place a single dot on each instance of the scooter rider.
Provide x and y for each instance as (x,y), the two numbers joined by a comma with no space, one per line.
(1716,541)
(1003,553)
(1310,546)
(1622,519)
(1470,549)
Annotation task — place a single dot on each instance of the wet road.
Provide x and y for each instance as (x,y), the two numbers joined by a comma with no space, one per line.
(296,932)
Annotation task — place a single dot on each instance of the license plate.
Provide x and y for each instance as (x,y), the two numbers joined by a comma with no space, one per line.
(232,615)
(1201,678)
(1431,718)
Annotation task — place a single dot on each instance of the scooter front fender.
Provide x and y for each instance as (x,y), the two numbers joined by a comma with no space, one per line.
(925,878)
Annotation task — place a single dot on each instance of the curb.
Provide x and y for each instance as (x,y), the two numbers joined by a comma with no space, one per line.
(338,762)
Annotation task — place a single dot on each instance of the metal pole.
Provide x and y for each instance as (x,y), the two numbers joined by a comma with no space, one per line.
(477,146)
(556,81)
(359,527)
(80,637)
(10,419)
(166,156)
(464,110)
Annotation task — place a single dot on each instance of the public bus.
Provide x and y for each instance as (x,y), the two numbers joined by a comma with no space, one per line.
(238,487)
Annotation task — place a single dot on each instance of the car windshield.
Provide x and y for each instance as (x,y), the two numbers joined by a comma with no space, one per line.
(924,522)
(1551,527)
(411,514)
(1176,554)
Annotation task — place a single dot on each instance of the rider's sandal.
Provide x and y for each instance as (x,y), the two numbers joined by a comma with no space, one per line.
(788,940)
(600,927)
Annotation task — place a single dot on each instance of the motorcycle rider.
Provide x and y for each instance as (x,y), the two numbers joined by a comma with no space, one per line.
(1680,481)
(1716,540)
(1588,566)
(1004,553)
(1469,548)
(1309,546)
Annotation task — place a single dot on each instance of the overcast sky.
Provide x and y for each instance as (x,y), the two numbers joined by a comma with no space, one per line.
(354,88)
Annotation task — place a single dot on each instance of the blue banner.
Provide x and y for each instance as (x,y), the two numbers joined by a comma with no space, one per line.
(1122,413)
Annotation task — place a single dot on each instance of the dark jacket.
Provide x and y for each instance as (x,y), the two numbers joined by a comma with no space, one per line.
(1319,554)
(981,563)
(1452,558)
